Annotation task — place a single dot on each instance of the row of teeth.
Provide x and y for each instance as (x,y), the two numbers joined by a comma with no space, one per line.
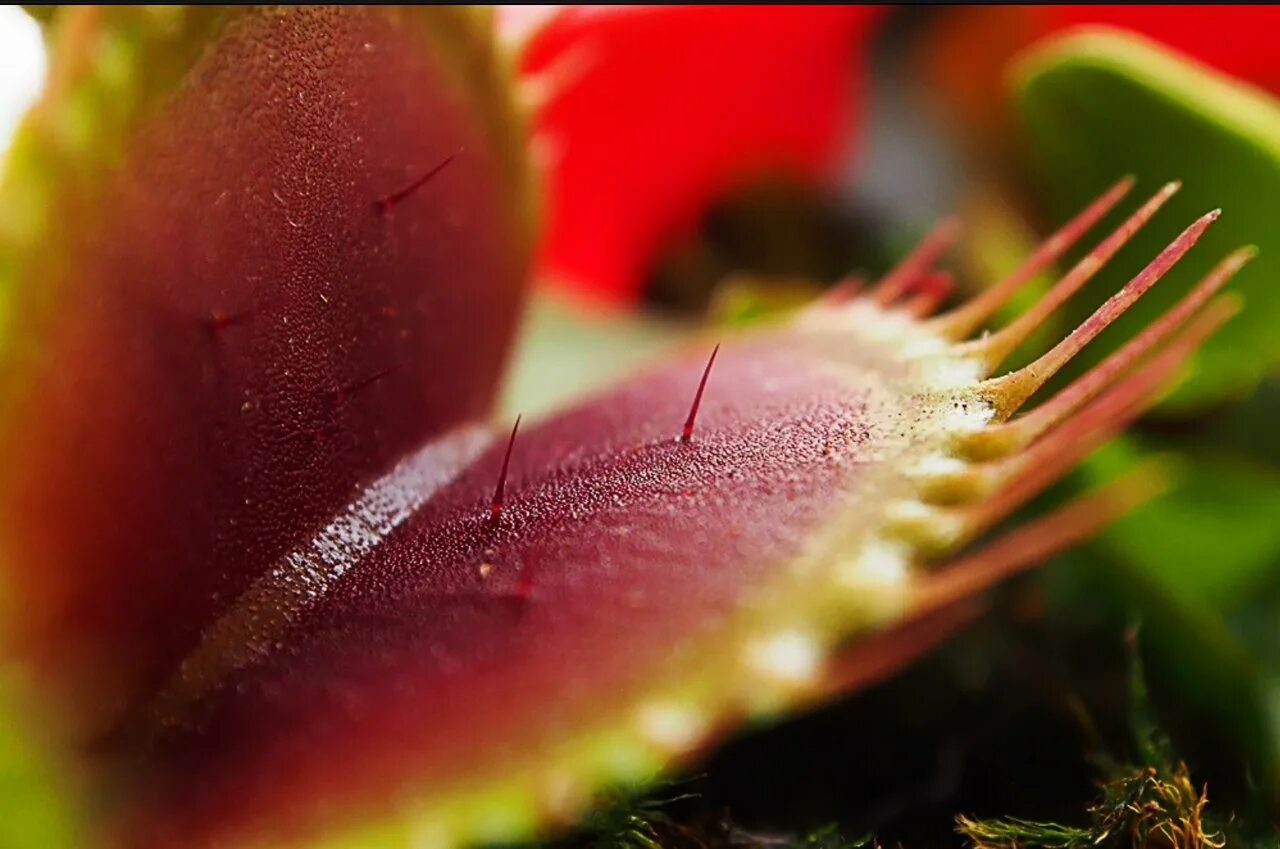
(783,662)
(774,669)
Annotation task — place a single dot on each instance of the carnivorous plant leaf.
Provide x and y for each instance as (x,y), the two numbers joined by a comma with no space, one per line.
(249,257)
(260,268)
(603,593)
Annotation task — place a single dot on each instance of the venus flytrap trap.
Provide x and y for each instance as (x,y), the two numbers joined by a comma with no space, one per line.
(248,299)
(648,578)
(314,601)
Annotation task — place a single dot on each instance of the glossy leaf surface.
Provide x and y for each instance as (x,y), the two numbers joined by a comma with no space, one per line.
(250,258)
(468,657)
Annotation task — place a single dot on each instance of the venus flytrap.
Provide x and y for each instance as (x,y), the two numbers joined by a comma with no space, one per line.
(313,600)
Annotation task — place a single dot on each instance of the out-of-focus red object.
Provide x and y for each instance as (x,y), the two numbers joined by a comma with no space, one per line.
(966,50)
(1240,40)
(653,112)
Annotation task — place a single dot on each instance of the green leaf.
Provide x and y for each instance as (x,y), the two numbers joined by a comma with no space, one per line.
(1098,104)
(567,349)
(1185,563)
(1000,238)
(1214,539)
(35,803)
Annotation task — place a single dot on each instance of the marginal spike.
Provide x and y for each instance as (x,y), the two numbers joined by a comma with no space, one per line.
(495,506)
(965,483)
(1026,428)
(1030,472)
(386,204)
(221,319)
(995,348)
(1008,392)
(342,393)
(523,589)
(538,92)
(921,259)
(965,320)
(687,434)
(1038,539)
(543,88)
(844,291)
(929,293)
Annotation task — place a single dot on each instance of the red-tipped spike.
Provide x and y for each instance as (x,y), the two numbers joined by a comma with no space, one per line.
(963,321)
(930,291)
(687,434)
(1009,392)
(923,258)
(543,88)
(386,204)
(1024,429)
(221,319)
(365,382)
(524,584)
(844,291)
(996,347)
(495,506)
(1036,540)
(1050,458)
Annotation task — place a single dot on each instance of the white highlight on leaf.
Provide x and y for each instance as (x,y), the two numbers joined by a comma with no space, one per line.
(952,372)
(788,657)
(22,68)
(880,564)
(254,625)
(670,725)
(938,465)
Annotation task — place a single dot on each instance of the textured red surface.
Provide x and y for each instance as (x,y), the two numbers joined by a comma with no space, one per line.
(664,108)
(463,642)
(241,337)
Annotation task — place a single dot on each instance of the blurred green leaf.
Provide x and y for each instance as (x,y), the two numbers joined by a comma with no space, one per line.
(1185,563)
(999,240)
(741,300)
(567,349)
(1247,428)
(1214,539)
(1100,103)
(35,806)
